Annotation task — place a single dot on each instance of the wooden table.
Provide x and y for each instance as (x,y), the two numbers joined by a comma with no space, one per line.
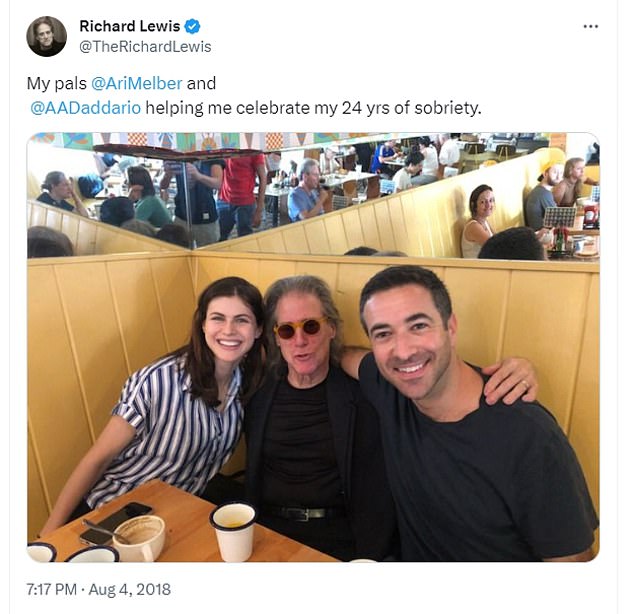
(190,537)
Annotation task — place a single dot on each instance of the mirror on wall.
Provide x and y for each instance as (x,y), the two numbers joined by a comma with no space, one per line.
(129,180)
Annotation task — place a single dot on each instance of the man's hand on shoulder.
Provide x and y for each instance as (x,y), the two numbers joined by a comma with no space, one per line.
(511,379)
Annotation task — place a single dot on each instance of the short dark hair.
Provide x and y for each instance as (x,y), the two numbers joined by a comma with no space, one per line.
(116,210)
(139,175)
(413,158)
(473,199)
(519,243)
(44,242)
(362,250)
(404,275)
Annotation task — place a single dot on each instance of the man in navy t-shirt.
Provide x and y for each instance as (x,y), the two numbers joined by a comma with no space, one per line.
(471,481)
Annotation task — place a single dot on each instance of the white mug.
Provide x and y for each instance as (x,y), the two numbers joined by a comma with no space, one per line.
(146,537)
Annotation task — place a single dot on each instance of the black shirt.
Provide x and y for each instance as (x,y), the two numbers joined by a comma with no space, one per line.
(502,484)
(54,49)
(47,199)
(201,196)
(299,462)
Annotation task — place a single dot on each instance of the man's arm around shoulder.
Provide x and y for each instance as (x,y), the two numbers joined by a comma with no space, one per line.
(351,360)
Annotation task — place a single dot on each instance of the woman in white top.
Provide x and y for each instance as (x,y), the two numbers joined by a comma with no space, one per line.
(328,163)
(430,157)
(477,230)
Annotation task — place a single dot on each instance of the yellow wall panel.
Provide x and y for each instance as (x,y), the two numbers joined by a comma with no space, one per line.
(384,223)
(353,229)
(94,333)
(37,508)
(137,307)
(553,343)
(175,289)
(480,315)
(58,423)
(294,236)
(584,424)
(317,238)
(267,242)
(336,234)
(370,227)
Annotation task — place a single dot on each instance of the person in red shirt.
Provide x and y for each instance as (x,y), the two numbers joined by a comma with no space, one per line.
(237,204)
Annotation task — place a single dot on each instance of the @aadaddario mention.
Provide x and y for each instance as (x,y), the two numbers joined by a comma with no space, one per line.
(89,25)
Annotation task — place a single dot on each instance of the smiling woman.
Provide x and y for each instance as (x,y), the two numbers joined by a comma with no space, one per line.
(178,419)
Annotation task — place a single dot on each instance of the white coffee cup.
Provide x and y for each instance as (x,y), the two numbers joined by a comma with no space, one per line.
(146,537)
(94,554)
(41,552)
(234,530)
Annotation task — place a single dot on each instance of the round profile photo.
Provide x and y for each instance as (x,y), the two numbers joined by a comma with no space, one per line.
(46,36)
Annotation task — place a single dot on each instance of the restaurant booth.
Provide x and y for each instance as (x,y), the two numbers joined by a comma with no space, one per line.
(95,318)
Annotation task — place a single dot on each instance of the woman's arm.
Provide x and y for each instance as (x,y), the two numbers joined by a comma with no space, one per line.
(475,232)
(115,437)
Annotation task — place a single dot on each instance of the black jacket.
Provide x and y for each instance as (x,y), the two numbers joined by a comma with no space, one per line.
(359,454)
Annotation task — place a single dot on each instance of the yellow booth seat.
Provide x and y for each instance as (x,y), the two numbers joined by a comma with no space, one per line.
(104,316)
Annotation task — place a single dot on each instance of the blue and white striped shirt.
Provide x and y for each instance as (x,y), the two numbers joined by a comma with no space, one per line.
(179,439)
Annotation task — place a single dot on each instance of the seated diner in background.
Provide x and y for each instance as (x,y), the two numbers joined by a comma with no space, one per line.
(308,199)
(541,196)
(179,418)
(315,467)
(45,242)
(328,164)
(403,177)
(148,207)
(382,154)
(57,189)
(116,211)
(449,155)
(568,189)
(429,173)
(478,230)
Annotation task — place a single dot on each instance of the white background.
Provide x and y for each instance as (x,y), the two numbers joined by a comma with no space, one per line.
(531,66)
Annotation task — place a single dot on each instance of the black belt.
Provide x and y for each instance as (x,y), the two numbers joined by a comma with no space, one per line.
(304,514)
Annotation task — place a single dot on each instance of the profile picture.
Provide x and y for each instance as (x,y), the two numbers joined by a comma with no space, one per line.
(46,36)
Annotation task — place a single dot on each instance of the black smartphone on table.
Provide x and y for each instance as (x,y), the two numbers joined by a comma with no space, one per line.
(131,510)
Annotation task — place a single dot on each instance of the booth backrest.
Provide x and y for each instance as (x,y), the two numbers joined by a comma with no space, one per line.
(91,237)
(426,221)
(105,316)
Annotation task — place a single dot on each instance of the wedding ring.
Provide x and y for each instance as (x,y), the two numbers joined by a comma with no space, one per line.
(526,384)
